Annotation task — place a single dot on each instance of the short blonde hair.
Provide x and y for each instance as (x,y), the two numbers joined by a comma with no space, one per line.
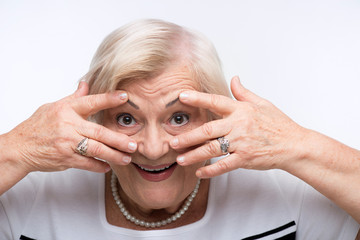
(145,48)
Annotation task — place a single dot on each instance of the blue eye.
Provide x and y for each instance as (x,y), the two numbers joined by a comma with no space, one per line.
(126,120)
(179,119)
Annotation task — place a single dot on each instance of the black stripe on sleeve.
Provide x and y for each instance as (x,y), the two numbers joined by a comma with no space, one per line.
(22,237)
(290,236)
(290,224)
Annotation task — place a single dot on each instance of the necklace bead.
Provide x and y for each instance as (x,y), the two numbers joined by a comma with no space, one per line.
(146,224)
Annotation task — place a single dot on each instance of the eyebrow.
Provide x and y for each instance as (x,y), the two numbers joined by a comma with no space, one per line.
(133,104)
(172,102)
(166,106)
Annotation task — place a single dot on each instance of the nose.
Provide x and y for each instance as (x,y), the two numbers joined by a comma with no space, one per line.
(153,143)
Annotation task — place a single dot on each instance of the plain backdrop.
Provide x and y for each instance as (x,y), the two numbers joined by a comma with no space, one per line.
(304,56)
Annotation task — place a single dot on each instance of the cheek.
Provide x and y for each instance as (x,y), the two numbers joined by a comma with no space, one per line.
(108,122)
(201,118)
(121,171)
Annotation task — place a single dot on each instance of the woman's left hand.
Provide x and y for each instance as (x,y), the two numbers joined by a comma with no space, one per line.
(261,136)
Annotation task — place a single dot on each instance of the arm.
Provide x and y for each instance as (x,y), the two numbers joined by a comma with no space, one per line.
(48,139)
(11,171)
(262,137)
(330,167)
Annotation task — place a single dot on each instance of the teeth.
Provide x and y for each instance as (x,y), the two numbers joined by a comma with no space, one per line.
(154,170)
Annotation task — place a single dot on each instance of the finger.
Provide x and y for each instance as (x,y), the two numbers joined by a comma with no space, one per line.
(89,164)
(218,104)
(241,93)
(96,149)
(82,90)
(205,132)
(224,165)
(91,104)
(205,152)
(104,135)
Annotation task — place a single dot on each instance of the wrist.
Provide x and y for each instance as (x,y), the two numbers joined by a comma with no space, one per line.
(297,149)
(317,154)
(11,166)
(11,169)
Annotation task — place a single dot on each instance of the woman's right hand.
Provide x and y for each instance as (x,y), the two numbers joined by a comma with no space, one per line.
(47,141)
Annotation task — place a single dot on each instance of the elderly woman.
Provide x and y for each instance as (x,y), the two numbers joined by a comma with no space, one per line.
(175,147)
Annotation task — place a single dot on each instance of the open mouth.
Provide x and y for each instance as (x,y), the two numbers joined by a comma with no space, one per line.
(155,170)
(156,174)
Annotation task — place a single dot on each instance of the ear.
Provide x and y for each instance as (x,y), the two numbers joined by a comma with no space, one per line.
(241,93)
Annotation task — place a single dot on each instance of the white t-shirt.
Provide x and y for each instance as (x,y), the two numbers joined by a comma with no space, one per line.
(242,204)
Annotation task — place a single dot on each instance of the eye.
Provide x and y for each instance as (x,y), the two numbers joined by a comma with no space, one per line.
(126,120)
(179,119)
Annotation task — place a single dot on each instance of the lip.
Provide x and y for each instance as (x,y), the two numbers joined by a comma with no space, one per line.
(155,176)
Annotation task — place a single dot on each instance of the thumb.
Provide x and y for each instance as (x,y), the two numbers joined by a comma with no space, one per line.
(241,93)
(82,90)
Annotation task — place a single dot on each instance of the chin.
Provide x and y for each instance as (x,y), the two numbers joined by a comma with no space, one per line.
(161,196)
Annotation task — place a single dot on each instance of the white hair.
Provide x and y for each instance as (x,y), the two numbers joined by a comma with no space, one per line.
(143,49)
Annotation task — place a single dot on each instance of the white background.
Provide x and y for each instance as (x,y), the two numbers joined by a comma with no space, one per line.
(304,56)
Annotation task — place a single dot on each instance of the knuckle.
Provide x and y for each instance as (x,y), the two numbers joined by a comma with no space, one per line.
(222,166)
(91,102)
(184,139)
(247,150)
(214,100)
(99,132)
(210,171)
(96,150)
(57,109)
(249,107)
(207,129)
(45,107)
(62,144)
(212,148)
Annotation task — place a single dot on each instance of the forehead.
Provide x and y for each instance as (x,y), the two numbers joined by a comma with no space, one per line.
(166,86)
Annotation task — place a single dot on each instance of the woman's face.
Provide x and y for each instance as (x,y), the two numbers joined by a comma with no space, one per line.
(153,114)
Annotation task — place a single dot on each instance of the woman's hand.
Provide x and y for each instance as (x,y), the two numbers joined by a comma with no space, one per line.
(47,141)
(260,135)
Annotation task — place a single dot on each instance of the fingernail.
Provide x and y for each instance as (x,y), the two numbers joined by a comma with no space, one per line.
(180,159)
(198,173)
(132,146)
(174,142)
(123,96)
(107,169)
(126,159)
(183,96)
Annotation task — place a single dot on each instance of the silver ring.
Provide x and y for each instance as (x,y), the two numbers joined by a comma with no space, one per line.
(82,146)
(224,145)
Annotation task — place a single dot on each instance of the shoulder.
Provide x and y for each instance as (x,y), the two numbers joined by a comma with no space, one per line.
(48,184)
(250,203)
(35,181)
(276,198)
(41,199)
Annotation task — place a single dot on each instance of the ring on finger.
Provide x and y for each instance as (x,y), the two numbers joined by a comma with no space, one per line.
(224,145)
(82,147)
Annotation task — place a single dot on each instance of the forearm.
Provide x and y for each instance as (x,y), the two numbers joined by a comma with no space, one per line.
(332,168)
(11,170)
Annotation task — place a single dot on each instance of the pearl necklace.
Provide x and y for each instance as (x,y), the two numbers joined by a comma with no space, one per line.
(142,223)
